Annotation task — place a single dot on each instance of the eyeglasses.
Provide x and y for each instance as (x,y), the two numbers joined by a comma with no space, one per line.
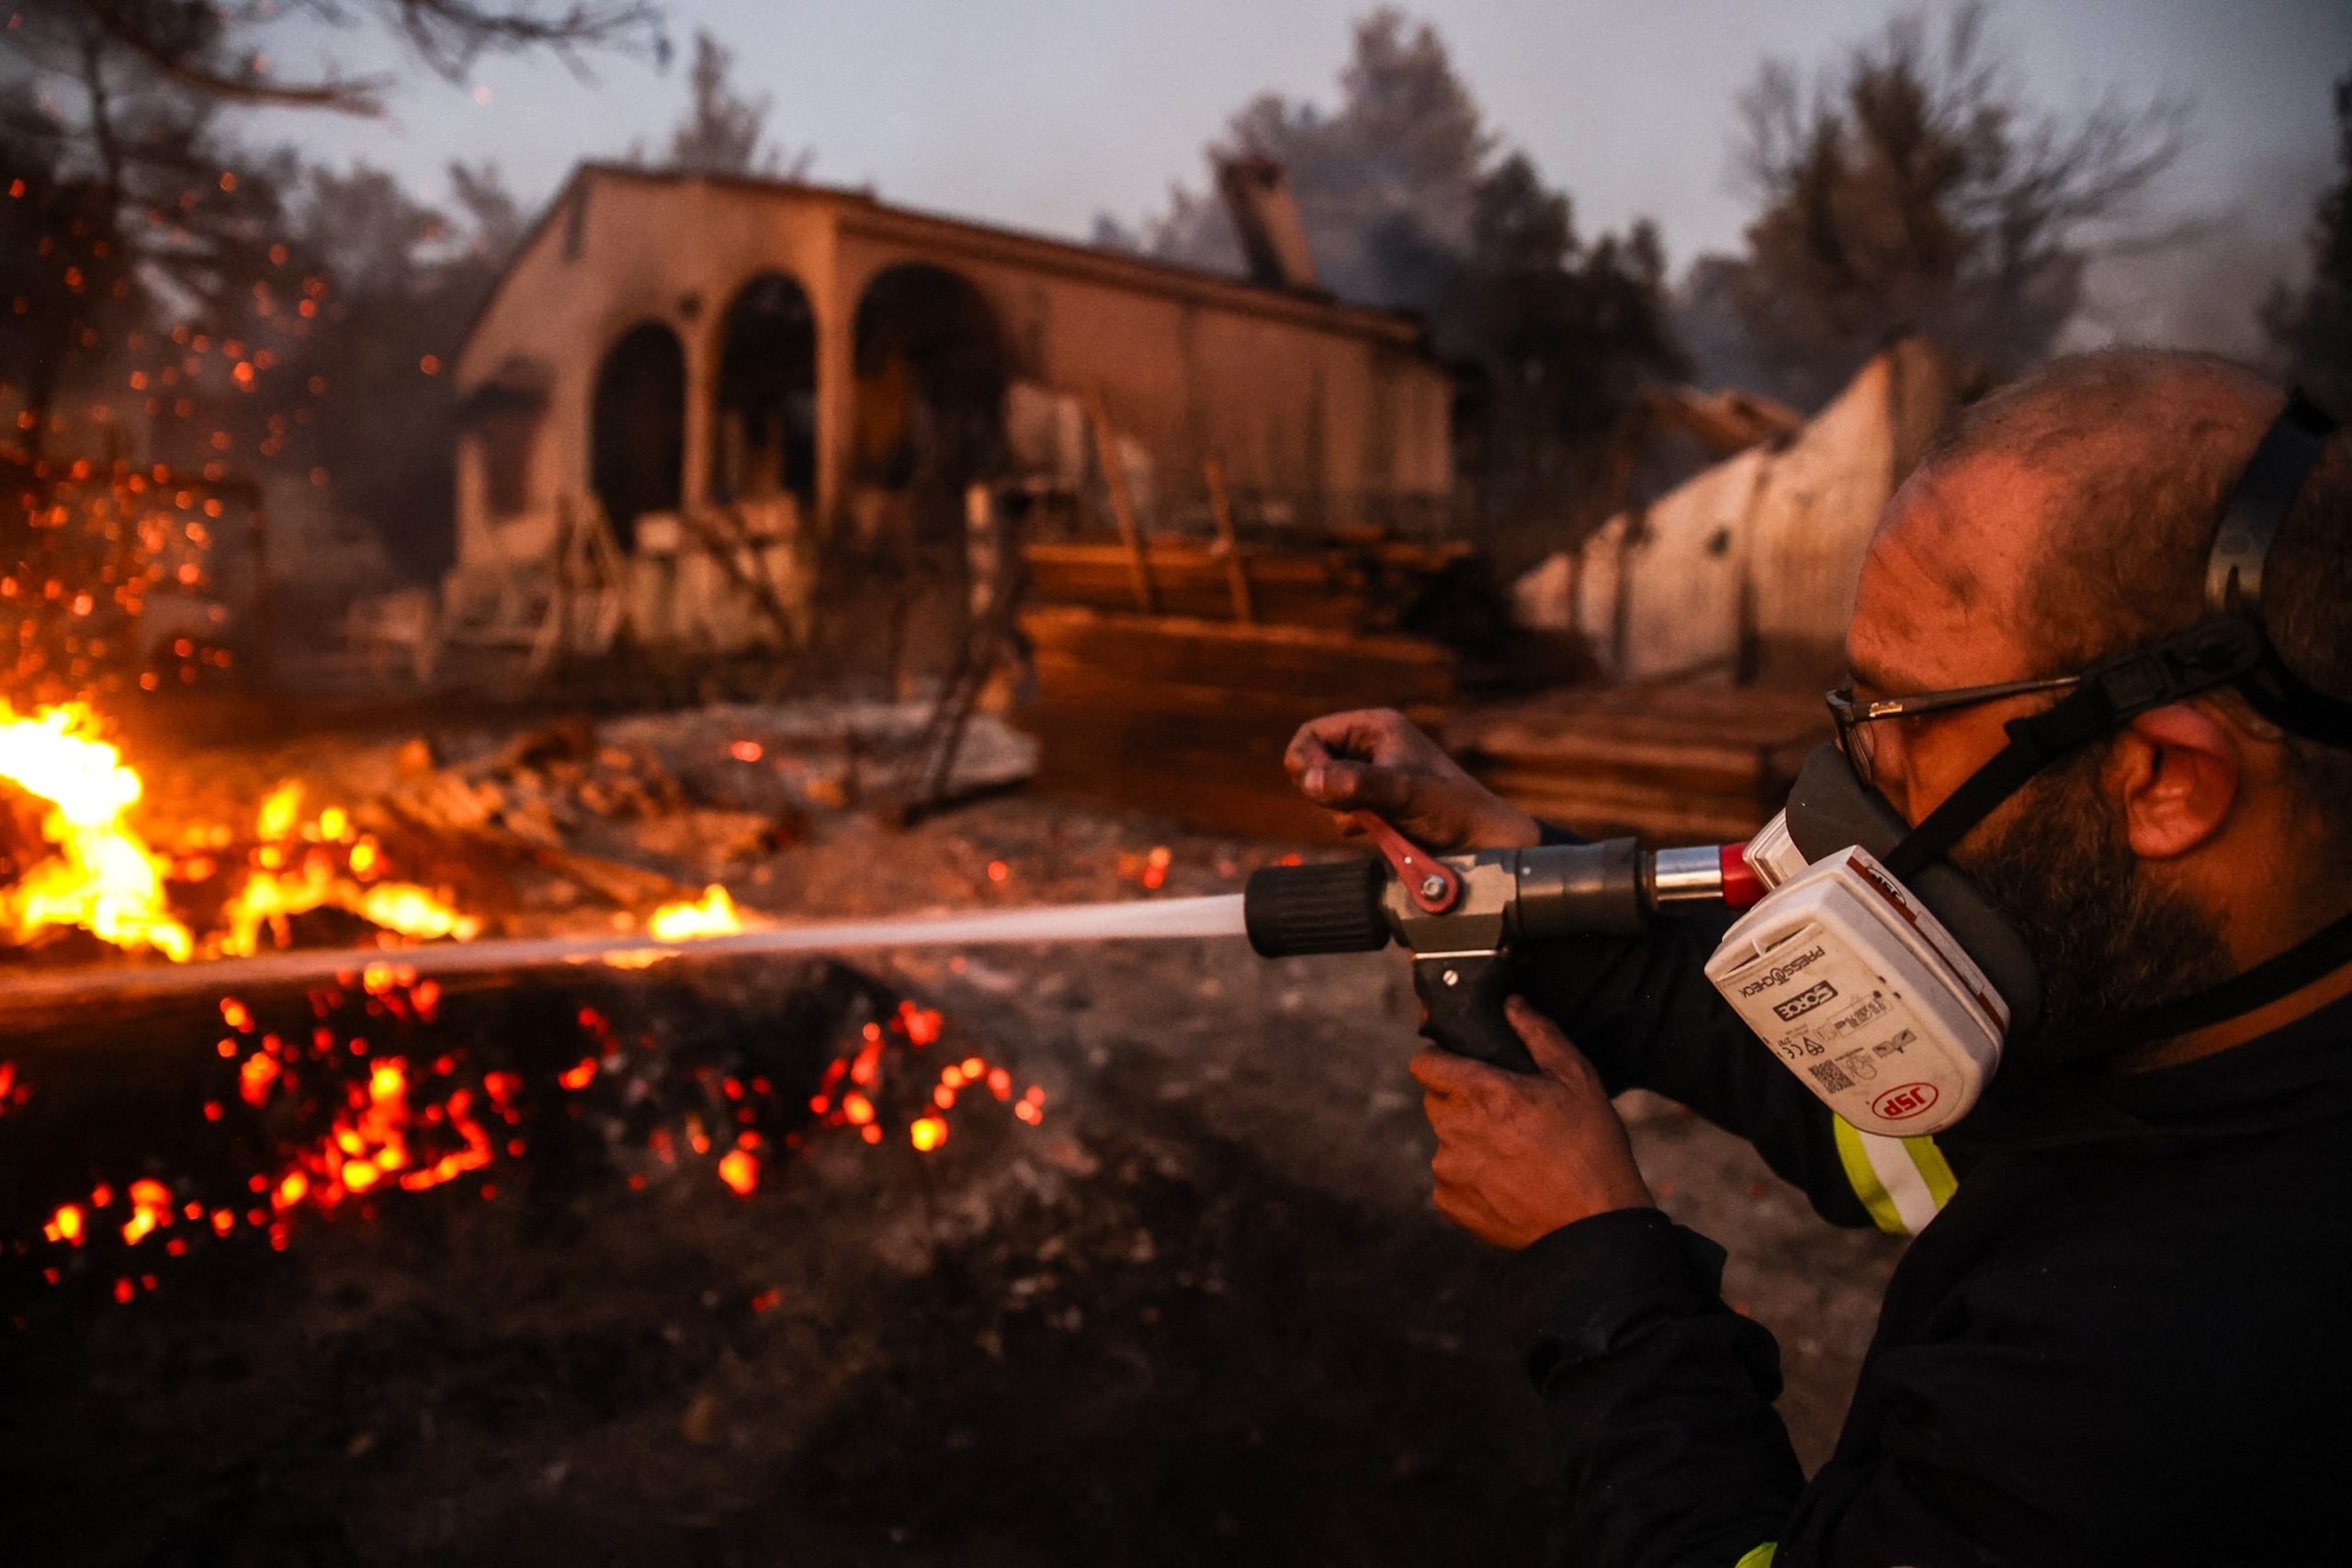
(1853,717)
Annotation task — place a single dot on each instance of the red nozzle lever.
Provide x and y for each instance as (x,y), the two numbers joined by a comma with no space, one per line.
(1428,881)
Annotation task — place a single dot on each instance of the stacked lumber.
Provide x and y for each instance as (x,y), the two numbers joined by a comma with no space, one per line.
(1187,717)
(1669,764)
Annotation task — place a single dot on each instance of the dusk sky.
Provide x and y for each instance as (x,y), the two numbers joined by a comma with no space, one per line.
(1043,113)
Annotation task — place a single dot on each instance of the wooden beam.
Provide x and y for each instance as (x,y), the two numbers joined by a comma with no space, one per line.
(1237,575)
(1115,479)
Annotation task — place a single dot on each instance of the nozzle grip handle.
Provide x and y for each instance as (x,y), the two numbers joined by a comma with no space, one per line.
(1461,1009)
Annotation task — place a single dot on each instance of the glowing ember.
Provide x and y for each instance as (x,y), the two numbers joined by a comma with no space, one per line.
(354,1118)
(151,1205)
(103,879)
(714,916)
(375,1136)
(740,1171)
(868,1068)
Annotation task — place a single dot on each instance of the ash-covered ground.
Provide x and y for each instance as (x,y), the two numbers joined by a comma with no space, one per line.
(1201,1312)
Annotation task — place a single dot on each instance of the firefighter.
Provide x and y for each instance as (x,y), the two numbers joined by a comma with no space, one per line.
(2126,1336)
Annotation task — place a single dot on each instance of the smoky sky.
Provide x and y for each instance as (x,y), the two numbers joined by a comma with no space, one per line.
(1041,114)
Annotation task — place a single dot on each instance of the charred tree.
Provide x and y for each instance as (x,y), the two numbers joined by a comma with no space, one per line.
(1911,189)
(2312,329)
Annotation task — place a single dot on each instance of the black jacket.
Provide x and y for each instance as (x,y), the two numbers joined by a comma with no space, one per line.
(2126,1337)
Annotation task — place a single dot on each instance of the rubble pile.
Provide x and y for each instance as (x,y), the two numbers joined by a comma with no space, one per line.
(638,809)
(532,831)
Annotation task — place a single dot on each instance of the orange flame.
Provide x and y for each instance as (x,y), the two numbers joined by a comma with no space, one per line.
(103,878)
(714,916)
(271,893)
(269,897)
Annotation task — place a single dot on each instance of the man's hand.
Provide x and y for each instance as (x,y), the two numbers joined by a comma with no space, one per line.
(1519,1156)
(1374,760)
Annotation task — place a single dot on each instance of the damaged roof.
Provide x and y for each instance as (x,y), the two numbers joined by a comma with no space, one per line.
(861,210)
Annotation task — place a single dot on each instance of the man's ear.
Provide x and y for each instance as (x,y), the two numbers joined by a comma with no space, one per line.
(2179,771)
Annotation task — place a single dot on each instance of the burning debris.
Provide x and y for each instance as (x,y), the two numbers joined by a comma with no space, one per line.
(365,1091)
(515,838)
(355,1096)
(84,868)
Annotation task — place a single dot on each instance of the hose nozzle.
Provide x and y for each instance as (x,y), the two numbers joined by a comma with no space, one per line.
(1610,888)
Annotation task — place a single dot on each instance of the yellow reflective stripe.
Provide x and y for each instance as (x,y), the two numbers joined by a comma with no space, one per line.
(1934,1169)
(1762,1556)
(1864,1180)
(1904,1182)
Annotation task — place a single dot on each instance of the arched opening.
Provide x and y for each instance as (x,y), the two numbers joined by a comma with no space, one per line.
(501,417)
(763,435)
(931,380)
(638,428)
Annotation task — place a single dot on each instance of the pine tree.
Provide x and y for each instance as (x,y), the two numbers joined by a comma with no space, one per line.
(724,131)
(1410,201)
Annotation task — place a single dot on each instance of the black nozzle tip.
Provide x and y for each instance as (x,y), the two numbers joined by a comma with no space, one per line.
(1331,908)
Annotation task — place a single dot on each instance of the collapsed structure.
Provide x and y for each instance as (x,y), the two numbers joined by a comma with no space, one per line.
(1745,572)
(685,384)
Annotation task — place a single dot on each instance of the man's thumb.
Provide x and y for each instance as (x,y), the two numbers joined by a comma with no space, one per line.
(1554,1057)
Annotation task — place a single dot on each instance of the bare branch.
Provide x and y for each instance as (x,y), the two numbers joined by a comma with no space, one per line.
(358,96)
(449,35)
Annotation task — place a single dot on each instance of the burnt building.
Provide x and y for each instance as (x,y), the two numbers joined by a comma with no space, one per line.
(685,384)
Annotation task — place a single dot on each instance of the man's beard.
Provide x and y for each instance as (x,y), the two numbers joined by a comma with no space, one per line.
(2107,942)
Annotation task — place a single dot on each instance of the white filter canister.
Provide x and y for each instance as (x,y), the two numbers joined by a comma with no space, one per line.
(1863,994)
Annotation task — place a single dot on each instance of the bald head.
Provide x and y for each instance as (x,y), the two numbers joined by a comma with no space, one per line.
(2120,461)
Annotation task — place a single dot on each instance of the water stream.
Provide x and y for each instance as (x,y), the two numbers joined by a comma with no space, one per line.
(1128,920)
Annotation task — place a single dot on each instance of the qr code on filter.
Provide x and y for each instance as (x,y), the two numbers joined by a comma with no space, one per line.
(1831,1076)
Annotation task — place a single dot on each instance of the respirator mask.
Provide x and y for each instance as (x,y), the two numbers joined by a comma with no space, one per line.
(1883,977)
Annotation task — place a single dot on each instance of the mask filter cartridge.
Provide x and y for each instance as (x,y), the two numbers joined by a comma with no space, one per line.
(1863,994)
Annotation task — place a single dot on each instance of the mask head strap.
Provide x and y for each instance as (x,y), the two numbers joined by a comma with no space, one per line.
(2233,573)
(2265,492)
(2229,646)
